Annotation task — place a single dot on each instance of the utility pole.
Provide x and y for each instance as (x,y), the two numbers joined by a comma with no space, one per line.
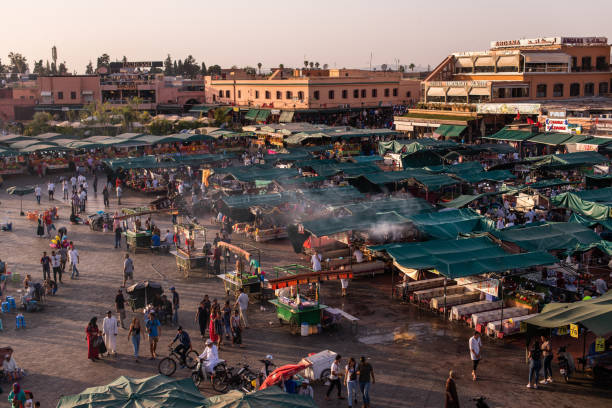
(370,60)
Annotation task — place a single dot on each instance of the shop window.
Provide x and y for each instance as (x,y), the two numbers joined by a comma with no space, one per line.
(600,64)
(315,95)
(603,88)
(300,95)
(344,94)
(268,96)
(589,89)
(72,95)
(408,94)
(586,63)
(60,95)
(279,95)
(256,94)
(330,95)
(289,95)
(558,90)
(574,64)
(575,89)
(541,91)
(239,94)
(355,93)
(386,92)
(220,94)
(363,93)
(227,94)
(394,91)
(374,93)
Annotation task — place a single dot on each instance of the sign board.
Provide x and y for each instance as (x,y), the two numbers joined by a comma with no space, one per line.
(460,84)
(562,331)
(583,147)
(557,125)
(488,286)
(600,344)
(557,114)
(574,330)
(584,40)
(523,328)
(537,42)
(509,108)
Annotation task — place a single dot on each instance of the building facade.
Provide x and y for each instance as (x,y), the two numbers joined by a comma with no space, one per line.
(541,69)
(314,89)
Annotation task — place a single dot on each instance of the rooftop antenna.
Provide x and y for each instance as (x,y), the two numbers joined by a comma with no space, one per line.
(370,60)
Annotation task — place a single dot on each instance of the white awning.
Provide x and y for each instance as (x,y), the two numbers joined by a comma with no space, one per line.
(464,62)
(480,91)
(547,58)
(484,62)
(508,61)
(456,92)
(514,85)
(46,93)
(436,91)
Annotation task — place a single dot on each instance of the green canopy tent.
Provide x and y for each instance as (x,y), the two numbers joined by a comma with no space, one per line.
(510,135)
(594,314)
(362,221)
(403,206)
(466,199)
(450,130)
(332,196)
(20,191)
(589,208)
(24,143)
(449,224)
(457,258)
(493,175)
(272,397)
(127,392)
(589,222)
(567,161)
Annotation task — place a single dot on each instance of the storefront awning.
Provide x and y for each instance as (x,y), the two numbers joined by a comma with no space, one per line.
(546,58)
(464,62)
(286,117)
(457,92)
(508,61)
(596,141)
(484,62)
(436,91)
(510,135)
(251,114)
(480,91)
(450,130)
(263,115)
(552,139)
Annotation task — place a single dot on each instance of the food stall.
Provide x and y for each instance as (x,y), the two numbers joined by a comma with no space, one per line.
(247,272)
(191,259)
(304,314)
(137,237)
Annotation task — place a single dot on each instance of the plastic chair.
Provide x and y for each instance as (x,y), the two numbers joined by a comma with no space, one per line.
(16,277)
(20,321)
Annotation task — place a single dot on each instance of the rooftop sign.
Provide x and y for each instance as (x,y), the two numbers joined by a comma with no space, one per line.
(536,42)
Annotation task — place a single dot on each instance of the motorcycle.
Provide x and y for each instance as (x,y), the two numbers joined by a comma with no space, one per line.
(199,374)
(242,380)
(564,365)
(266,369)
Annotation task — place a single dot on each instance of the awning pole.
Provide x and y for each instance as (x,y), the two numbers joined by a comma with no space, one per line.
(502,308)
(445,279)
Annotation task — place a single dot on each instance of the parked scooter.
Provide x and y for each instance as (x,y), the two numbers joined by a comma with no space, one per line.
(199,373)
(566,363)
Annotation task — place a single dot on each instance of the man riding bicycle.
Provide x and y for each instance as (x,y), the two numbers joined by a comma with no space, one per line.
(184,343)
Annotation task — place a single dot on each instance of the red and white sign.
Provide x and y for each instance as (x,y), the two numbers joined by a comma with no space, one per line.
(582,147)
(557,125)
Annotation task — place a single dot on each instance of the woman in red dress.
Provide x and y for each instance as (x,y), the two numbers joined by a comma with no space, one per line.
(92,334)
(214,336)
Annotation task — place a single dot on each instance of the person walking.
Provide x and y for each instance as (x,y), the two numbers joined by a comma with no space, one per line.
(128,269)
(105,195)
(236,329)
(109,331)
(92,333)
(212,327)
(535,364)
(154,329)
(475,344)
(73,256)
(350,376)
(202,315)
(120,307)
(451,398)
(63,252)
(118,232)
(95,183)
(175,306)
(40,229)
(56,260)
(548,356)
(365,373)
(51,190)
(119,193)
(334,378)
(242,302)
(37,193)
(45,261)
(134,334)
(226,317)
(65,189)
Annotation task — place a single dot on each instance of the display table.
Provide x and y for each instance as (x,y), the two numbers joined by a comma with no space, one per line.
(296,315)
(437,303)
(483,318)
(427,294)
(460,312)
(511,325)
(192,264)
(250,283)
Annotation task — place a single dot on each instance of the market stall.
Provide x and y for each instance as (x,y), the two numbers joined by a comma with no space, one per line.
(194,257)
(247,274)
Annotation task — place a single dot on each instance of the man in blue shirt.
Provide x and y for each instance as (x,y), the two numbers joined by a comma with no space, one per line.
(184,343)
(155,240)
(153,328)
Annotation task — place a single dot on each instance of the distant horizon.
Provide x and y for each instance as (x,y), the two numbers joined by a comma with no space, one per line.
(341,33)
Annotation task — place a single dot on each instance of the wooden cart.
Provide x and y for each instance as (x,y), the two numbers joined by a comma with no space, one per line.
(138,241)
(296,315)
(190,260)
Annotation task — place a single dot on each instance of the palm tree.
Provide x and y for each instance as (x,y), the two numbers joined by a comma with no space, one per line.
(325,66)
(383,67)
(259,67)
(305,64)
(311,64)
(281,66)
(411,66)
(317,65)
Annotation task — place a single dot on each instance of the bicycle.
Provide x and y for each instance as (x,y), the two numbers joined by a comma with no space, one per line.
(167,365)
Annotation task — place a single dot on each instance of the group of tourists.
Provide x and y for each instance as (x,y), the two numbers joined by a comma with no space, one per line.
(223,320)
(355,376)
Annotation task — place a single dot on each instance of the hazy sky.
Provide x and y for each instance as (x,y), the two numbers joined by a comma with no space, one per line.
(341,33)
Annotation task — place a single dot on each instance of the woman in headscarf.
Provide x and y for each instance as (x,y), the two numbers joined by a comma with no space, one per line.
(212,328)
(17,397)
(92,334)
(452,400)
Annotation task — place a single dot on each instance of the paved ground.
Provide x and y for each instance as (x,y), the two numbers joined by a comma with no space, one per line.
(411,352)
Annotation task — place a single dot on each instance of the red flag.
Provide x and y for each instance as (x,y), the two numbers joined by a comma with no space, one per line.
(518,115)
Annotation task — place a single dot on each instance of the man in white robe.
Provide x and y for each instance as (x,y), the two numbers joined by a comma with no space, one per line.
(109,331)
(210,355)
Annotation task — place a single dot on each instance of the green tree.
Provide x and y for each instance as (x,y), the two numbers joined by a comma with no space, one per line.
(89,69)
(250,70)
(63,69)
(168,68)
(311,64)
(317,65)
(214,70)
(190,67)
(39,69)
(281,66)
(259,67)
(402,68)
(2,67)
(383,67)
(19,63)
(47,68)
(305,64)
(203,71)
(103,61)
(124,59)
(325,66)
(175,70)
(39,124)
(411,66)
(160,127)
(221,116)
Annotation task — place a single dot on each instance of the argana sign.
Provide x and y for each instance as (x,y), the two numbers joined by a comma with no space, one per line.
(535,42)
